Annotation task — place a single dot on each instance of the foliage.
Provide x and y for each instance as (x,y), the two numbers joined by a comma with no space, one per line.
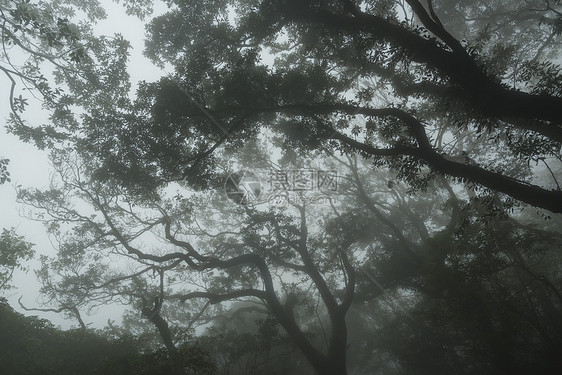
(378,79)
(245,340)
(4,174)
(34,346)
(45,40)
(472,305)
(14,250)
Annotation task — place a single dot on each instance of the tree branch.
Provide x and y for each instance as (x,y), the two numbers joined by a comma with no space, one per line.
(530,194)
(73,309)
(215,298)
(484,92)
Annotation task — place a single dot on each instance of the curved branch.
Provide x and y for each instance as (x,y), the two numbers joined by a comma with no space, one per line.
(484,91)
(550,131)
(132,250)
(433,24)
(350,285)
(153,315)
(217,298)
(184,245)
(312,270)
(73,309)
(527,193)
(530,194)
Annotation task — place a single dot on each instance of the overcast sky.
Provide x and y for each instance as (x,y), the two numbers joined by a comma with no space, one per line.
(30,167)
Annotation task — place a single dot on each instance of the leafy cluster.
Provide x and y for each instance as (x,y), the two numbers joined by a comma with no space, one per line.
(14,252)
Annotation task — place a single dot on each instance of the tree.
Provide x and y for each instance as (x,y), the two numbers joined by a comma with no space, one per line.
(42,45)
(260,261)
(43,48)
(453,288)
(447,256)
(34,346)
(374,78)
(475,303)
(467,120)
(14,250)
(246,340)
(427,247)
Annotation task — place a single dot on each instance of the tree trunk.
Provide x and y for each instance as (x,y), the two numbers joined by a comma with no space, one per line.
(164,330)
(335,361)
(337,351)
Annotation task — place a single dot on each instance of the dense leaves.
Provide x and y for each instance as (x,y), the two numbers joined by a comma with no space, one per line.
(44,48)
(382,79)
(14,252)
(476,302)
(4,174)
(30,346)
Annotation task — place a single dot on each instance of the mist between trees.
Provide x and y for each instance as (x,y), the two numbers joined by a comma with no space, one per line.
(436,246)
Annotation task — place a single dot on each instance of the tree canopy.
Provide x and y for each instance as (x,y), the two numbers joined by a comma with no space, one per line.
(369,77)
(34,346)
(440,124)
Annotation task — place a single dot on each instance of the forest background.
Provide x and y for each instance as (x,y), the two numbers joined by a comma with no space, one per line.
(313,186)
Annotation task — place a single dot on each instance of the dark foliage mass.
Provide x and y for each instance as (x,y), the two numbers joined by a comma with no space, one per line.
(33,346)
(427,101)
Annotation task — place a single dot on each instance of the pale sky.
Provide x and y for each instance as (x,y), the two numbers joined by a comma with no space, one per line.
(30,167)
